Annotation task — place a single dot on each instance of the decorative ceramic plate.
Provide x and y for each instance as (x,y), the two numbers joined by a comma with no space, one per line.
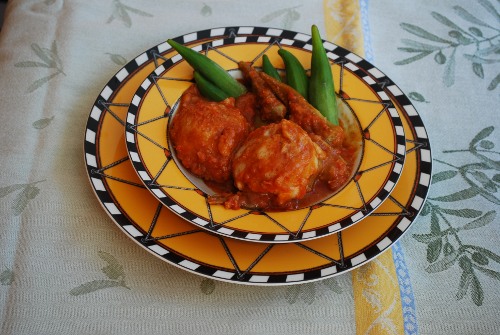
(368,113)
(164,234)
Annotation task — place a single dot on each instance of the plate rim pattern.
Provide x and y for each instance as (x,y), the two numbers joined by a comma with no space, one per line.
(357,65)
(378,246)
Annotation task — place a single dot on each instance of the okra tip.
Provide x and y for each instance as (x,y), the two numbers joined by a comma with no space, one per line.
(176,45)
(316,37)
(172,42)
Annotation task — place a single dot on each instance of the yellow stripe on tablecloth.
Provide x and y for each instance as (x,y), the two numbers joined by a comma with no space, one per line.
(343,24)
(377,300)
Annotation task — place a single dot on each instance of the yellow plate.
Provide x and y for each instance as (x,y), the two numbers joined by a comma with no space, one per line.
(367,107)
(156,229)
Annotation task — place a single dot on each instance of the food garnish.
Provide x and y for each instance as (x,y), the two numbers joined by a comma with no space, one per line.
(212,71)
(208,89)
(268,68)
(295,73)
(321,89)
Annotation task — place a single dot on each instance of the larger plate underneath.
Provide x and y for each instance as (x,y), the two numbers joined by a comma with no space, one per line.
(158,230)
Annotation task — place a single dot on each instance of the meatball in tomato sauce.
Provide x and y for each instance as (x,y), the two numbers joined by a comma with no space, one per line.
(278,159)
(206,134)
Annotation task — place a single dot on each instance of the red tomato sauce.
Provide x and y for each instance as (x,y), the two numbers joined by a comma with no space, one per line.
(255,164)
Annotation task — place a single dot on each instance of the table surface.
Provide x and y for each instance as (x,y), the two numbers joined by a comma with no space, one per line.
(57,244)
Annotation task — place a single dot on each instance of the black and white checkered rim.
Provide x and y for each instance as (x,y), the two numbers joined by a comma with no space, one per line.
(99,183)
(361,68)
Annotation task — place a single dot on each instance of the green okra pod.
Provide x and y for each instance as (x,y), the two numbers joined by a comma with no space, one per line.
(321,86)
(212,71)
(295,73)
(208,89)
(269,69)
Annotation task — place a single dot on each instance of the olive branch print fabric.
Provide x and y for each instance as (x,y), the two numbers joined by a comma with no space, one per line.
(472,39)
(23,194)
(43,122)
(121,12)
(6,276)
(452,253)
(285,17)
(47,58)
(451,221)
(310,292)
(113,271)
